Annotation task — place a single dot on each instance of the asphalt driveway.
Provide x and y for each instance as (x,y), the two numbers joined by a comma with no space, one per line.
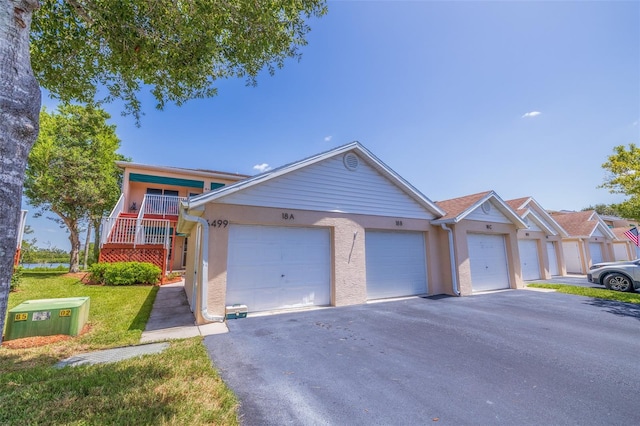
(516,357)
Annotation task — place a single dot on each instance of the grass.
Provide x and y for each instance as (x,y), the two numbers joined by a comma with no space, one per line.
(177,386)
(598,293)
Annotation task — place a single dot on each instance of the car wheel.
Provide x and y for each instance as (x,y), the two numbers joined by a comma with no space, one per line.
(618,282)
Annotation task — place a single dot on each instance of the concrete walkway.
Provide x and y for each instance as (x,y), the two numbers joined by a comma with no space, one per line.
(171,318)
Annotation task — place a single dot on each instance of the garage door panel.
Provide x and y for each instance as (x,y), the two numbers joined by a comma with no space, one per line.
(529,261)
(596,252)
(278,267)
(488,259)
(620,252)
(396,264)
(572,257)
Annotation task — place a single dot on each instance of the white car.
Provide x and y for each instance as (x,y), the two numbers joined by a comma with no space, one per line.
(620,276)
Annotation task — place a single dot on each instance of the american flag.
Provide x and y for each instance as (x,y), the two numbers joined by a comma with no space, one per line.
(632,234)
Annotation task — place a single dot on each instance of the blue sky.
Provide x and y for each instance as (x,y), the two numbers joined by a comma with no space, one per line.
(525,98)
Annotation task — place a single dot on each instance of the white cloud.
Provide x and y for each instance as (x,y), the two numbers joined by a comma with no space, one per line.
(262,167)
(328,138)
(531,114)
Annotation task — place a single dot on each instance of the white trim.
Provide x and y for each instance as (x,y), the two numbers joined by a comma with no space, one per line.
(604,229)
(542,214)
(539,221)
(503,207)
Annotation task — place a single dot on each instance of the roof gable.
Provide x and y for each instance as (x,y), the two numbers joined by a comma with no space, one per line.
(582,224)
(346,179)
(536,223)
(526,206)
(471,207)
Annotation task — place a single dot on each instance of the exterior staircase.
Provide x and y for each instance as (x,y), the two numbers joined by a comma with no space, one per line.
(127,237)
(124,230)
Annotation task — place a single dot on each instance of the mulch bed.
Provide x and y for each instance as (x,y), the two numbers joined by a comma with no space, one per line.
(36,341)
(84,278)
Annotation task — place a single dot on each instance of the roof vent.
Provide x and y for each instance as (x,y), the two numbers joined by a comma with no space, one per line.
(351,161)
(486,207)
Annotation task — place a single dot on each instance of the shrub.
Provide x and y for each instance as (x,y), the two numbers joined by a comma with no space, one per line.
(173,275)
(16,279)
(97,271)
(124,273)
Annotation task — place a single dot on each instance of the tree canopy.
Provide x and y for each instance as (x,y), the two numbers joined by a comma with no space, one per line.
(624,178)
(71,170)
(177,49)
(603,209)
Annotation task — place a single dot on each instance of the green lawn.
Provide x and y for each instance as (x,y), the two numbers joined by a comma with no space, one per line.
(598,293)
(177,386)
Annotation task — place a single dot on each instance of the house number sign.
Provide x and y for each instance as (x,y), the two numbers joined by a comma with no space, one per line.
(288,216)
(220,223)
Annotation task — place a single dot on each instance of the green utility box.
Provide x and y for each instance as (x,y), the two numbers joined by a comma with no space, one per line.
(46,317)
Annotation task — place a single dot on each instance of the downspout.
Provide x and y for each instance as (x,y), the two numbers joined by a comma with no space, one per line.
(202,245)
(452,260)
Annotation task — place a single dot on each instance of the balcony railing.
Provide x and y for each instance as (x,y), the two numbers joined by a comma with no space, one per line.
(161,205)
(125,230)
(107,227)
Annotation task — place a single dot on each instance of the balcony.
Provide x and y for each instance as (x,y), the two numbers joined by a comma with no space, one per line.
(148,225)
(160,205)
(134,232)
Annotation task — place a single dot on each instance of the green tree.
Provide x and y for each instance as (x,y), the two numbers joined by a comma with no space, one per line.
(624,178)
(603,209)
(71,170)
(28,246)
(177,50)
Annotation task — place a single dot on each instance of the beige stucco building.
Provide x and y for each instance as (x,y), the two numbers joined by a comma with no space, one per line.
(341,228)
(589,240)
(338,228)
(540,243)
(484,240)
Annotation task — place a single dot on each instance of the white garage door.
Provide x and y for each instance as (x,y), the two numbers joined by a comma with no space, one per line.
(488,257)
(620,251)
(553,258)
(572,257)
(529,259)
(596,252)
(272,267)
(396,264)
